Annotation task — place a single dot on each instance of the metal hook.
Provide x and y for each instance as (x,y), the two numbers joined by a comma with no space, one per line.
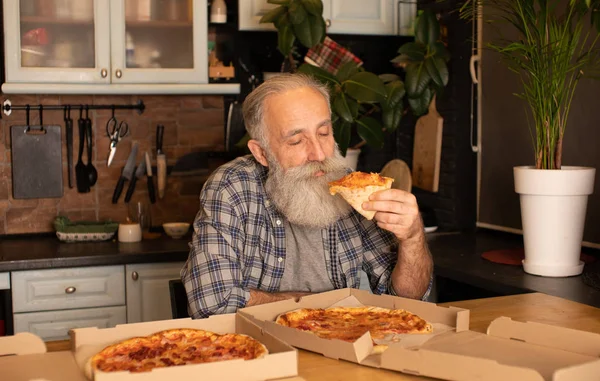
(87,109)
(80,111)
(27,116)
(113,111)
(42,117)
(69,111)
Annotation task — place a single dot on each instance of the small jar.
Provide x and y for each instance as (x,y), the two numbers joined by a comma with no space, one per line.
(218,12)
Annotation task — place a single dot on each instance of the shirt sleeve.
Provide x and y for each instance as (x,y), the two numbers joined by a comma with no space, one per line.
(379,256)
(212,275)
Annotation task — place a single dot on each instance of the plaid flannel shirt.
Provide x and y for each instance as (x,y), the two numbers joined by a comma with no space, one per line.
(239,244)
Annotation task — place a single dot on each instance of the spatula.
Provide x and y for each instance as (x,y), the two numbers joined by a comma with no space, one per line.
(81,172)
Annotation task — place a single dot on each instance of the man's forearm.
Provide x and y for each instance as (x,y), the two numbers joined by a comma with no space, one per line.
(412,272)
(261,297)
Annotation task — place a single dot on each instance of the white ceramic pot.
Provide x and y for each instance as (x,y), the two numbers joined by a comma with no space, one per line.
(553,208)
(352,157)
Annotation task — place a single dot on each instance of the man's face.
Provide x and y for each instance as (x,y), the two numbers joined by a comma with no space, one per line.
(302,158)
(299,127)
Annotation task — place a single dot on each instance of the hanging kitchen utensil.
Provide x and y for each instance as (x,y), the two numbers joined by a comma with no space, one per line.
(150,180)
(81,172)
(126,174)
(36,156)
(428,150)
(92,172)
(161,161)
(139,172)
(69,131)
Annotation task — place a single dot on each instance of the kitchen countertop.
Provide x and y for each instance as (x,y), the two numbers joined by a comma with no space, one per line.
(457,256)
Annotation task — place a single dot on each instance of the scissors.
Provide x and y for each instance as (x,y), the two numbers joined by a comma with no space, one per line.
(115,133)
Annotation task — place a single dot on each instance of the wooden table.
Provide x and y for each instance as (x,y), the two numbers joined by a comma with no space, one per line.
(536,307)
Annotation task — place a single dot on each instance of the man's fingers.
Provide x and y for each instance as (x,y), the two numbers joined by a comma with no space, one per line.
(391,207)
(393,195)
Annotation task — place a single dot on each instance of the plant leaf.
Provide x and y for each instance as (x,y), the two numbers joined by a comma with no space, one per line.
(311,31)
(279,2)
(414,50)
(417,79)
(392,108)
(341,134)
(320,74)
(441,51)
(385,78)
(272,15)
(340,106)
(420,105)
(347,70)
(283,19)
(285,39)
(365,87)
(436,67)
(370,131)
(427,30)
(314,7)
(596,18)
(297,12)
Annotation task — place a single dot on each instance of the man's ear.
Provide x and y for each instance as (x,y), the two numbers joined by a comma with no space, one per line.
(258,152)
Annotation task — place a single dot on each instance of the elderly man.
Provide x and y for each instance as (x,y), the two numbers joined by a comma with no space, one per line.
(268,229)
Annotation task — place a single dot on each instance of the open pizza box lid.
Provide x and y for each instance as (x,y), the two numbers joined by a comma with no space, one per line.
(444,320)
(30,362)
(510,350)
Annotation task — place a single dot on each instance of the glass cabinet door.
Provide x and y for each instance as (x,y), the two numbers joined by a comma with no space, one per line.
(63,41)
(159,41)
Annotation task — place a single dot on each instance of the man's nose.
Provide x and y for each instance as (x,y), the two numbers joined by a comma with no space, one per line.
(316,152)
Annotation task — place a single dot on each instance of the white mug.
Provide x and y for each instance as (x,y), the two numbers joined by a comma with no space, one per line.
(130,232)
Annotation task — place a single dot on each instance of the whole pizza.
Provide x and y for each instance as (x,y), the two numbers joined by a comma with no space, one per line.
(176,347)
(350,323)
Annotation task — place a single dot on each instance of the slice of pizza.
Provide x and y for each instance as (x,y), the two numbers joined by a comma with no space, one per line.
(356,188)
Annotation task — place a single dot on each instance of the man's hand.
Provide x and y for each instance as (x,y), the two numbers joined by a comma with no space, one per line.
(397,211)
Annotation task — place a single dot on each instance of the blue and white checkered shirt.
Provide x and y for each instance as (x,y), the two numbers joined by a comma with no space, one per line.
(239,244)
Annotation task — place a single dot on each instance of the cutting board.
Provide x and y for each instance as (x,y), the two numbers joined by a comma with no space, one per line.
(36,162)
(427,150)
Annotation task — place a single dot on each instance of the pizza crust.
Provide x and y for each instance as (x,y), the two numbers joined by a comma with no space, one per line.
(356,188)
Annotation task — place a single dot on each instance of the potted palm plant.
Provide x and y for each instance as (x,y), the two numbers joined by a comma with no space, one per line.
(554,48)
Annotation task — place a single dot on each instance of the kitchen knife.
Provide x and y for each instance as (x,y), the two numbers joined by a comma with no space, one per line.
(161,161)
(126,174)
(151,193)
(139,172)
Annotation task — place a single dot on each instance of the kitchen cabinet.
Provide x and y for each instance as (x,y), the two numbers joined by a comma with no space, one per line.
(148,296)
(107,46)
(374,17)
(4,281)
(55,325)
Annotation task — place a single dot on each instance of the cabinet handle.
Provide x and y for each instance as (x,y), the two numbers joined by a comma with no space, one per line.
(118,73)
(328,23)
(135,275)
(70,290)
(103,73)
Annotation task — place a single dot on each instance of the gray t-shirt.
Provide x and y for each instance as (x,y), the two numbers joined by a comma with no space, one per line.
(305,269)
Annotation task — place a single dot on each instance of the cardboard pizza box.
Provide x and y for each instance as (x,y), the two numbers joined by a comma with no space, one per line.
(510,350)
(29,360)
(445,320)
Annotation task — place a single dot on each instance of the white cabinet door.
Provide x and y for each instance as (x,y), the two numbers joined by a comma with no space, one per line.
(250,12)
(148,296)
(360,17)
(57,42)
(55,325)
(156,46)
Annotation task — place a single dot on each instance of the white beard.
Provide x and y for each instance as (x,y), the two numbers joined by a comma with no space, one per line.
(304,198)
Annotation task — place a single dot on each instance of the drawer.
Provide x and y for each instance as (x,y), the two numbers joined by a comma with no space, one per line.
(55,325)
(81,287)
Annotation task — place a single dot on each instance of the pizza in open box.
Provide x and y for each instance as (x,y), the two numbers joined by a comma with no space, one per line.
(175,347)
(350,323)
(356,188)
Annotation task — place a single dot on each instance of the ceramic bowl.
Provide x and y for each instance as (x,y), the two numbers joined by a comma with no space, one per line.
(176,230)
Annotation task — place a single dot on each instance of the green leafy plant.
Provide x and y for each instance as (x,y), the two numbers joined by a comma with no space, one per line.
(296,20)
(363,103)
(425,62)
(555,47)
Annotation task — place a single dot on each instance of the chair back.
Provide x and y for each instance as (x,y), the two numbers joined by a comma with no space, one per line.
(179,301)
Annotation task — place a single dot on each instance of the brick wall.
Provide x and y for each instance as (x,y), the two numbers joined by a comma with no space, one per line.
(191,123)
